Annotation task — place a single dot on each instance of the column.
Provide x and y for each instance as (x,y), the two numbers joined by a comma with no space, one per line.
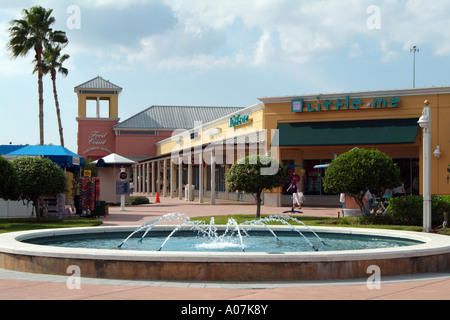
(144,175)
(213,177)
(180,178)
(153,178)
(158,176)
(165,177)
(135,178)
(172,179)
(189,182)
(141,178)
(138,179)
(200,177)
(97,109)
(148,177)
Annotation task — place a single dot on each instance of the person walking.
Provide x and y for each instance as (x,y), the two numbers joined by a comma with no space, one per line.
(76,195)
(297,196)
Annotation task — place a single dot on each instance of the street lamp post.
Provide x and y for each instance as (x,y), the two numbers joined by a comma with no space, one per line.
(414,50)
(425,123)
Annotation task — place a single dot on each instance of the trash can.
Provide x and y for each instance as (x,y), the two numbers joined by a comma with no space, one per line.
(189,192)
(99,210)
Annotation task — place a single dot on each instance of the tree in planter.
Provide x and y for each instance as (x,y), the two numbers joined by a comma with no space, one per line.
(359,170)
(8,181)
(37,177)
(254,174)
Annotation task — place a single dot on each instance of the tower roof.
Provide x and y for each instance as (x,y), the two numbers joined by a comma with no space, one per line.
(98,83)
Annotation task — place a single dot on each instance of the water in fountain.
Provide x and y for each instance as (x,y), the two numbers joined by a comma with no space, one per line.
(175,217)
(210,231)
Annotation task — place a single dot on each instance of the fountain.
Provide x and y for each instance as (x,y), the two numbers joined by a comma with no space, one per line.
(248,251)
(211,230)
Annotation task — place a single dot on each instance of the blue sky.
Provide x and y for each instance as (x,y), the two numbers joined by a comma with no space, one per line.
(222,53)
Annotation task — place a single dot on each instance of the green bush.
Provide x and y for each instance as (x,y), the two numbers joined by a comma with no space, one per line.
(8,181)
(139,200)
(254,174)
(408,210)
(358,170)
(38,176)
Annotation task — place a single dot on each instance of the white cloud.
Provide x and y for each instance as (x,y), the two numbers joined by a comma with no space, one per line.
(355,51)
(216,34)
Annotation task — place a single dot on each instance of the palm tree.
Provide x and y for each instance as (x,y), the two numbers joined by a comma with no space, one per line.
(34,32)
(53,63)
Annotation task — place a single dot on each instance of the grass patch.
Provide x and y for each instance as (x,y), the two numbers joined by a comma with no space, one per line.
(311,221)
(13,225)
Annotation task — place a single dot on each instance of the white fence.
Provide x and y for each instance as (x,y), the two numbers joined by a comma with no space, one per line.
(15,209)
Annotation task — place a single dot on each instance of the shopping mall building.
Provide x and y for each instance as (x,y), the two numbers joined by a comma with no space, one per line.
(305,132)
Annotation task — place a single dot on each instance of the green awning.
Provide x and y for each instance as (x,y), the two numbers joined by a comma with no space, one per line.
(333,133)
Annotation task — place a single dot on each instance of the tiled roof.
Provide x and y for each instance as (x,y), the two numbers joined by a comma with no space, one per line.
(98,84)
(174,117)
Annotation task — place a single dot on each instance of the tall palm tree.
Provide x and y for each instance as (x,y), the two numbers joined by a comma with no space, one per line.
(53,63)
(34,32)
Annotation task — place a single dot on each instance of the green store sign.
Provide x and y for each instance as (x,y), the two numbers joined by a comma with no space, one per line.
(299,105)
(237,120)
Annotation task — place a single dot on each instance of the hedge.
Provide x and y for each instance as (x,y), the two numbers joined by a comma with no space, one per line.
(139,200)
(408,210)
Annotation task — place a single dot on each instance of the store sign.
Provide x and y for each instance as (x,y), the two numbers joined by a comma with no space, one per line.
(299,105)
(122,187)
(97,138)
(237,120)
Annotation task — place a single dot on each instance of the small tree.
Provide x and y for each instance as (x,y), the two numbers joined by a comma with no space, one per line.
(254,174)
(38,176)
(8,181)
(359,170)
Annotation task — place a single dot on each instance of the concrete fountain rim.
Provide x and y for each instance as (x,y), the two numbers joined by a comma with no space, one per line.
(433,244)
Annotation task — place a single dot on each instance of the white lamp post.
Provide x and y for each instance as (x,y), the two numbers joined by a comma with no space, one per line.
(425,123)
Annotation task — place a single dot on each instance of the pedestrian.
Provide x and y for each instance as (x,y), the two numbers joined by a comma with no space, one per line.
(297,196)
(131,186)
(76,195)
(399,191)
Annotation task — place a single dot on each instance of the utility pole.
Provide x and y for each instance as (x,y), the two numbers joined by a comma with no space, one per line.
(414,50)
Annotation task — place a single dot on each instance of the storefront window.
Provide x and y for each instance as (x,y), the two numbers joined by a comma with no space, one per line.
(220,178)
(409,171)
(312,184)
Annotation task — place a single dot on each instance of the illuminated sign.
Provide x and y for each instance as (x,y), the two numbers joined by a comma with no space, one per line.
(299,105)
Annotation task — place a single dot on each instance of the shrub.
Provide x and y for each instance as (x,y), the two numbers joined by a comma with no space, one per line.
(137,200)
(359,170)
(408,210)
(8,181)
(37,177)
(254,174)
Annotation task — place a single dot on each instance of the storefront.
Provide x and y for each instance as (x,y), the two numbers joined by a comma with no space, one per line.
(202,156)
(314,129)
(305,133)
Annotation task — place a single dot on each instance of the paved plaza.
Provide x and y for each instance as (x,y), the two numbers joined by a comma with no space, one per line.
(17,285)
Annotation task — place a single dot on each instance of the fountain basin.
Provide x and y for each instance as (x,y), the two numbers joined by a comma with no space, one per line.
(431,255)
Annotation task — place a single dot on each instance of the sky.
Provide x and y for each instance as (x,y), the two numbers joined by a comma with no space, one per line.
(221,53)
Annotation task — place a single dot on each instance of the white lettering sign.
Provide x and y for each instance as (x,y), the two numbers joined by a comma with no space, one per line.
(98,139)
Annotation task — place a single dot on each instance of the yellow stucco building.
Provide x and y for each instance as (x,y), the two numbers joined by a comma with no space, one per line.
(308,132)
